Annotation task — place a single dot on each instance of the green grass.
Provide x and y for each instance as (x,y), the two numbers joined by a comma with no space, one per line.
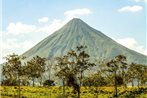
(56,92)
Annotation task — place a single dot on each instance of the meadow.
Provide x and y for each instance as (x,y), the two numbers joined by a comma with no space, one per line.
(56,92)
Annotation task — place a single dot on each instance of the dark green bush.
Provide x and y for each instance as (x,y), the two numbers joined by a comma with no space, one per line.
(9,82)
(48,83)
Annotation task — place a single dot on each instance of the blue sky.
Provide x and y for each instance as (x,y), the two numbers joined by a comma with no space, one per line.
(26,22)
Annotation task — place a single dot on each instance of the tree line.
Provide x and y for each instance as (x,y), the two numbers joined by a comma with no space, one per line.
(72,69)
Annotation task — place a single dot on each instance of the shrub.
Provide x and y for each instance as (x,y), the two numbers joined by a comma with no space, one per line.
(48,83)
(10,82)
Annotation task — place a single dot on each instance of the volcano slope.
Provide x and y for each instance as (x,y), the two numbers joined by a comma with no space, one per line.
(75,33)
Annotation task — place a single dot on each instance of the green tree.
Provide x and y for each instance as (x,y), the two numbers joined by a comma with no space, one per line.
(131,74)
(60,67)
(82,61)
(66,70)
(13,69)
(144,75)
(49,66)
(35,68)
(73,64)
(137,72)
(97,80)
(117,66)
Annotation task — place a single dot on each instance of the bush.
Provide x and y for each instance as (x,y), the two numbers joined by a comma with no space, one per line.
(10,82)
(14,82)
(48,83)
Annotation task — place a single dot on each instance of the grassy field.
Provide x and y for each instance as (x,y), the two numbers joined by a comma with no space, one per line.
(56,92)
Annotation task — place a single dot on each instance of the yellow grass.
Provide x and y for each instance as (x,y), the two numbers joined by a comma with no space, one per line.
(55,92)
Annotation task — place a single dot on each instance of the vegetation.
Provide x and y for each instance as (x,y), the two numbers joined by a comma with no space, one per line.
(35,68)
(70,68)
(111,79)
(13,71)
(117,67)
(56,92)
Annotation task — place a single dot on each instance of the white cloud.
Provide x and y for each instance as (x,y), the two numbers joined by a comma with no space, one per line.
(13,45)
(20,28)
(134,8)
(131,43)
(58,23)
(140,0)
(51,27)
(43,20)
(77,12)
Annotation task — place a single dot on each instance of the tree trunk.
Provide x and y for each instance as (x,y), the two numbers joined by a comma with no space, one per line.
(97,92)
(124,82)
(115,86)
(33,80)
(40,81)
(125,86)
(132,83)
(49,73)
(18,86)
(79,94)
(138,83)
(81,77)
(63,87)
(81,83)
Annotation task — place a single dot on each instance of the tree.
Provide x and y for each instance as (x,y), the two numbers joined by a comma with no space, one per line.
(13,69)
(60,67)
(73,64)
(144,76)
(97,80)
(137,72)
(83,62)
(131,73)
(35,68)
(102,69)
(117,66)
(66,70)
(50,63)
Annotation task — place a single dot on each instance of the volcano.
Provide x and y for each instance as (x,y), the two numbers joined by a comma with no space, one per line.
(75,33)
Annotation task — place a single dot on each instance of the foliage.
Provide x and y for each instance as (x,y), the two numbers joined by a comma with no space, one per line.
(13,71)
(71,65)
(137,72)
(117,66)
(13,68)
(9,82)
(35,68)
(96,80)
(48,83)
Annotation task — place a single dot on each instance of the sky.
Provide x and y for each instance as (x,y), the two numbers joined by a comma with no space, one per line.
(26,22)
